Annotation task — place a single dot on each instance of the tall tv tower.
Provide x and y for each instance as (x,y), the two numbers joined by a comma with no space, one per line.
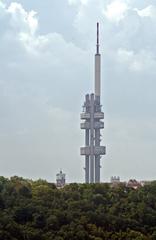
(92,125)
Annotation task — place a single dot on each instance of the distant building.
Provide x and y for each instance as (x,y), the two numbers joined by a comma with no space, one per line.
(132,183)
(115,179)
(60,179)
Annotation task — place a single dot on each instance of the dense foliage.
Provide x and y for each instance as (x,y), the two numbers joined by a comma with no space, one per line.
(37,210)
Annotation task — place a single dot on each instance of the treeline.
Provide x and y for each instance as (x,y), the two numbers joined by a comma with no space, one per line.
(37,210)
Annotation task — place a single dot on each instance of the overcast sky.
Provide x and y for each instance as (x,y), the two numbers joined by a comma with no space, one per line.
(47,66)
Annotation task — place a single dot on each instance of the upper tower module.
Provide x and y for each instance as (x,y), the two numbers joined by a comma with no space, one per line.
(92,124)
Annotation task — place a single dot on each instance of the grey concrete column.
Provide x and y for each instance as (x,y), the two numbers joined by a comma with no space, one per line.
(92,138)
(87,157)
(97,157)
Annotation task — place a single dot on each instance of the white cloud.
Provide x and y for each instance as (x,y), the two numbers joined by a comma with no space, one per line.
(116,10)
(75,2)
(141,61)
(25,21)
(149,11)
(128,57)
(2,5)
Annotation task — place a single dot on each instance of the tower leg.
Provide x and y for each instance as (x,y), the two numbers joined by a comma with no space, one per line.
(97,157)
(92,139)
(97,169)
(87,158)
(92,169)
(87,169)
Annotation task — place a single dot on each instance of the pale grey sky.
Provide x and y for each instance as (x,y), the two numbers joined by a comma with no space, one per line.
(47,66)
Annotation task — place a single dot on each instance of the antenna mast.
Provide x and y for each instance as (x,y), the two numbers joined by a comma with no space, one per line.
(97,45)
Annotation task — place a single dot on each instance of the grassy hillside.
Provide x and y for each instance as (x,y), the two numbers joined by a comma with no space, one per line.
(36,210)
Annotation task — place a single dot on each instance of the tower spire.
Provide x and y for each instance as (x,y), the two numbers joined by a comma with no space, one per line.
(97,67)
(97,45)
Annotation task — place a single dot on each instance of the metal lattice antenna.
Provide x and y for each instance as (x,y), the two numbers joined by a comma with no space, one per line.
(97,45)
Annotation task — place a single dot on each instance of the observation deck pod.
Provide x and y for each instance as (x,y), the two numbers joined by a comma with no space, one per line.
(98,115)
(87,125)
(87,116)
(97,150)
